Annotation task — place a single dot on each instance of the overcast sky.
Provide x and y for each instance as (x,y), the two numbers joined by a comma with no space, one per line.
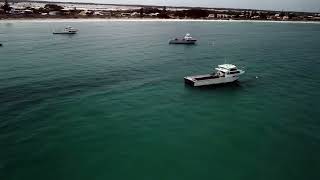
(297,5)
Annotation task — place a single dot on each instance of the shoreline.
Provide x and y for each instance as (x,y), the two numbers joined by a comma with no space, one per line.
(8,20)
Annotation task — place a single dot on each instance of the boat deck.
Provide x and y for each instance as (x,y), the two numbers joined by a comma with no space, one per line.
(201,77)
(64,32)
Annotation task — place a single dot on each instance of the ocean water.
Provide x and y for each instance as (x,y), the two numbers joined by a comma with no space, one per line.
(110,101)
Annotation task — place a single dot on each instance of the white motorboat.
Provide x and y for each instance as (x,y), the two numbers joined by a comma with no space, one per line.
(187,39)
(67,30)
(225,73)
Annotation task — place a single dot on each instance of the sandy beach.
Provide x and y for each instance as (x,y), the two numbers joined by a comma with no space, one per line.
(149,20)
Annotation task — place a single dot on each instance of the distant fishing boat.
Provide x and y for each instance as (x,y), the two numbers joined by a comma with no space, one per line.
(187,39)
(0,44)
(67,30)
(226,73)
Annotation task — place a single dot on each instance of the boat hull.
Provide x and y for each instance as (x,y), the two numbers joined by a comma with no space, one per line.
(65,33)
(207,80)
(182,42)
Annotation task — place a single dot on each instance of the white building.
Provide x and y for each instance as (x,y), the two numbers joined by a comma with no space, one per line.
(221,16)
(54,13)
(211,16)
(153,14)
(285,18)
(97,13)
(135,14)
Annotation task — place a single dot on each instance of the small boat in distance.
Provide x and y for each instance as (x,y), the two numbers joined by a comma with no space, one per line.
(67,30)
(225,73)
(187,39)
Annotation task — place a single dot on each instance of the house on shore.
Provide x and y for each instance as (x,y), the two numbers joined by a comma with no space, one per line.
(54,13)
(211,16)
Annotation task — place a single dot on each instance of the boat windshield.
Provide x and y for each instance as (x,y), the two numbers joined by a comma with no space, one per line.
(187,36)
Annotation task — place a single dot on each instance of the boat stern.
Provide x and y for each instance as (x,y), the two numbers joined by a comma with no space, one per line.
(189,80)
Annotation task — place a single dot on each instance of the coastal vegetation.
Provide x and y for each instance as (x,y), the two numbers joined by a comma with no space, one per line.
(76,10)
(6,7)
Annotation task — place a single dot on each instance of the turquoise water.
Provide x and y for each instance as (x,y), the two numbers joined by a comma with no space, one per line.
(110,102)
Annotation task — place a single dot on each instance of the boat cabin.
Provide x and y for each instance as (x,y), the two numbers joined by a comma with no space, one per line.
(188,37)
(70,29)
(227,69)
